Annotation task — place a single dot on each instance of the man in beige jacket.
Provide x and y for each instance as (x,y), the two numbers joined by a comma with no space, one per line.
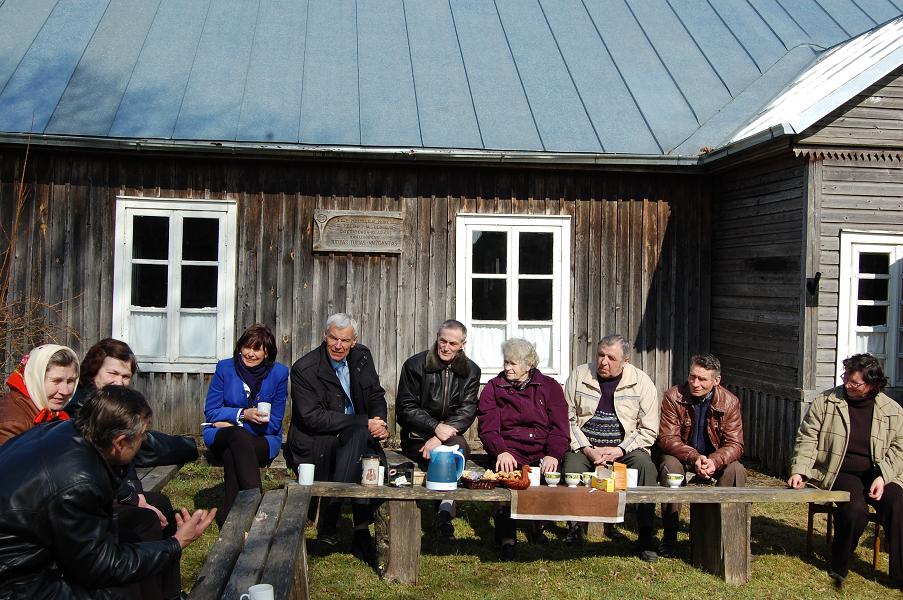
(613,409)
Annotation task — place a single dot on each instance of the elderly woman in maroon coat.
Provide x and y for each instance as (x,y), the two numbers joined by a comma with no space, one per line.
(523,420)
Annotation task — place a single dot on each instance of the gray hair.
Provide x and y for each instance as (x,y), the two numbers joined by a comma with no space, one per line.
(615,339)
(707,361)
(341,321)
(520,350)
(452,324)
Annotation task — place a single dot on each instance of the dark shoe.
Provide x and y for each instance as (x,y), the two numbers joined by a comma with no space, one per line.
(444,526)
(539,537)
(837,578)
(362,546)
(575,536)
(649,556)
(507,552)
(668,547)
(611,531)
(330,539)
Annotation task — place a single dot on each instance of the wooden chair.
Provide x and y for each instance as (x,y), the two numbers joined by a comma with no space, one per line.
(828,509)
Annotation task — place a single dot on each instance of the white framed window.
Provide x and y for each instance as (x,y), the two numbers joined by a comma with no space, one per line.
(174,281)
(869,306)
(513,278)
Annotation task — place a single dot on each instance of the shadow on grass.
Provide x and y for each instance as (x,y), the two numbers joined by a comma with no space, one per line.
(773,536)
(210,497)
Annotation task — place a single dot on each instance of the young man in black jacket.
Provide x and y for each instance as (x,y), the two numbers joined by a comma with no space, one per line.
(437,403)
(57,486)
(338,414)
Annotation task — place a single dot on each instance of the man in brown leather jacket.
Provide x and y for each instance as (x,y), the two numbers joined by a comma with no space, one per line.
(700,437)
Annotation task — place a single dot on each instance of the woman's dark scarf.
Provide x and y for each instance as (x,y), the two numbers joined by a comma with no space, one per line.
(522,385)
(252,376)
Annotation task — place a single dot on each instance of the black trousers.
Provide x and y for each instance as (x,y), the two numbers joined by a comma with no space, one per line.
(142,525)
(851,519)
(242,455)
(342,453)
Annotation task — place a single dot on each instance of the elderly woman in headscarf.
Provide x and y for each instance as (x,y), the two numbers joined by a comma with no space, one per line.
(523,420)
(39,389)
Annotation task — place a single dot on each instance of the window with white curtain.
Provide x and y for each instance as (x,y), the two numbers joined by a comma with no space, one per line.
(513,280)
(869,312)
(174,281)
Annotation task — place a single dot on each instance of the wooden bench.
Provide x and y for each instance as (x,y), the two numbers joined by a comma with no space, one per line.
(719,520)
(262,541)
(153,479)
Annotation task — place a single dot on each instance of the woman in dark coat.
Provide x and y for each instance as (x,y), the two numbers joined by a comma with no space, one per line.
(242,436)
(522,421)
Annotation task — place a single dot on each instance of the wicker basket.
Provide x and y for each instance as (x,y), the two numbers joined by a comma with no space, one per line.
(478,484)
(518,484)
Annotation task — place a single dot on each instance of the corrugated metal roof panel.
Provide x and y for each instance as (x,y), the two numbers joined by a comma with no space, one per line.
(567,76)
(91,99)
(151,103)
(447,117)
(615,115)
(34,89)
(388,101)
(506,121)
(663,104)
(330,109)
(271,107)
(20,22)
(557,107)
(216,86)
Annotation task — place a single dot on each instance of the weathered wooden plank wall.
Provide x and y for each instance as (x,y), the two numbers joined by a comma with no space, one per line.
(855,195)
(756,290)
(871,119)
(639,247)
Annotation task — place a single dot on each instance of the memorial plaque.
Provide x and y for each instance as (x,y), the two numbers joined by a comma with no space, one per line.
(357,231)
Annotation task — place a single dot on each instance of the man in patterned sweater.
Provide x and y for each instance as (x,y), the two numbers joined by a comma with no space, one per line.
(613,409)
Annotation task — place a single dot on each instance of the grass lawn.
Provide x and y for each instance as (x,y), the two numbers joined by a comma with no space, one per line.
(468,566)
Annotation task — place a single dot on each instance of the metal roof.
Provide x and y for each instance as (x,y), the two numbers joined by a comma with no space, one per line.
(632,77)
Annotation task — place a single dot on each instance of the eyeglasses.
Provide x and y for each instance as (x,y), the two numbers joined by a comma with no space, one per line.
(856,385)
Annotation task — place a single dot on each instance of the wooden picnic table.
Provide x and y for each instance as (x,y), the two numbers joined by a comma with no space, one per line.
(719,519)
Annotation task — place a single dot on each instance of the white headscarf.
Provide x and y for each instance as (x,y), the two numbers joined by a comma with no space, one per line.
(36,369)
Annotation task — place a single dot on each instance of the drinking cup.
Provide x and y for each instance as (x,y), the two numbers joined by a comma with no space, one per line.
(261,591)
(306,474)
(263,411)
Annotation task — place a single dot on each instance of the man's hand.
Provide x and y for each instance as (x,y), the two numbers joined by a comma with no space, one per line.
(796,481)
(603,454)
(443,431)
(877,488)
(430,444)
(549,464)
(505,462)
(377,428)
(704,467)
(142,503)
(189,527)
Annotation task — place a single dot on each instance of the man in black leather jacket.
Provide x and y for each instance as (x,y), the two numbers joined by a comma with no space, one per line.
(57,484)
(437,403)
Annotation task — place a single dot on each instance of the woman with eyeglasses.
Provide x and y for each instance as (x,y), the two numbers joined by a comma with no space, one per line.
(852,440)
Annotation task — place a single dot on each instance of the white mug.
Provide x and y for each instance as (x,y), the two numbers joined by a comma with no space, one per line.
(535,475)
(261,591)
(306,474)
(263,411)
(633,476)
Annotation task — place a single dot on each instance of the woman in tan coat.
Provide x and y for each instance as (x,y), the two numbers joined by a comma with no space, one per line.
(39,388)
(852,440)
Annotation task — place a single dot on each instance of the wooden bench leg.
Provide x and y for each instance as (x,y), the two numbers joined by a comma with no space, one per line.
(399,522)
(719,540)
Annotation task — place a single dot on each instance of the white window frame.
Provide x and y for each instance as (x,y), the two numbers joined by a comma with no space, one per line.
(560,226)
(127,207)
(851,243)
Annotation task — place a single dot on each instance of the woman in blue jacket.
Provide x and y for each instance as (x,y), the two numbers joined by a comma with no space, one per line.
(241,435)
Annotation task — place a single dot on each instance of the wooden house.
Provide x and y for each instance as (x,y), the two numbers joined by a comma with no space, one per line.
(697,176)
